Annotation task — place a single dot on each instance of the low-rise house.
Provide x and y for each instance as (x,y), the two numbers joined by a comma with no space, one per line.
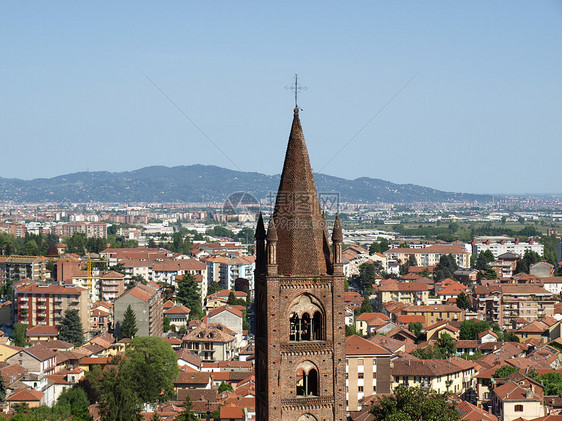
(220,298)
(437,313)
(179,316)
(32,398)
(512,401)
(366,323)
(434,331)
(229,316)
(211,342)
(42,333)
(454,375)
(36,359)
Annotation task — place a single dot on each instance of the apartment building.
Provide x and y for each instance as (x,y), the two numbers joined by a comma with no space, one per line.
(45,304)
(503,303)
(367,370)
(430,255)
(22,267)
(529,302)
(146,303)
(409,293)
(90,229)
(501,245)
(225,270)
(13,228)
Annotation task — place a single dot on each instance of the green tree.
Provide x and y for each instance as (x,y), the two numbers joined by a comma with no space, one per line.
(416,328)
(447,345)
(189,295)
(231,299)
(76,400)
(350,330)
(552,384)
(529,258)
(166,323)
(471,328)
(71,328)
(463,302)
(366,307)
(2,389)
(118,400)
(504,371)
(446,267)
(223,387)
(187,414)
(413,404)
(20,334)
(213,287)
(128,327)
(152,366)
(366,278)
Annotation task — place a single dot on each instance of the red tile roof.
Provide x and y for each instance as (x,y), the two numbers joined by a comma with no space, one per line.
(355,345)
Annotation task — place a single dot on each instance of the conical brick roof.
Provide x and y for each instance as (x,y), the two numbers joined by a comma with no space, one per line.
(302,247)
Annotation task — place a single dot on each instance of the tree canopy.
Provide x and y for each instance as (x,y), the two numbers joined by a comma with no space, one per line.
(446,267)
(414,404)
(188,294)
(128,327)
(152,366)
(71,328)
(19,336)
(471,328)
(463,302)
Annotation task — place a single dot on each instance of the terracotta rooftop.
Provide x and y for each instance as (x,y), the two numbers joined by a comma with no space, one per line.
(356,345)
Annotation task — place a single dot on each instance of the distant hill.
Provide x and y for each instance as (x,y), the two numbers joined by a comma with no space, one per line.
(205,183)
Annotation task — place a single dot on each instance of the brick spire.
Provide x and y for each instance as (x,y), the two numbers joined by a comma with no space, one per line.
(302,247)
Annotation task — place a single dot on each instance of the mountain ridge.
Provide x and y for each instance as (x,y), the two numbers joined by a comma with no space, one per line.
(207,183)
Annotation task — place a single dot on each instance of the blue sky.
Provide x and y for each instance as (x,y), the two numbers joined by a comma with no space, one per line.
(483,113)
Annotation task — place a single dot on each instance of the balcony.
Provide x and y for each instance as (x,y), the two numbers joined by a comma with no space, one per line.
(42,307)
(25,306)
(58,299)
(24,299)
(41,299)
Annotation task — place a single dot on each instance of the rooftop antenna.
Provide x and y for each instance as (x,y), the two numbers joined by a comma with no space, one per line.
(296,88)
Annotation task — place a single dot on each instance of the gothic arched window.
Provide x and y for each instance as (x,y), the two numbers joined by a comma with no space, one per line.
(306,320)
(307,379)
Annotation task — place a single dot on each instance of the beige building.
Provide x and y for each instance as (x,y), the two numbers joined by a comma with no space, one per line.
(437,313)
(45,304)
(529,302)
(430,255)
(367,370)
(512,401)
(454,375)
(211,342)
(409,293)
(146,303)
(22,267)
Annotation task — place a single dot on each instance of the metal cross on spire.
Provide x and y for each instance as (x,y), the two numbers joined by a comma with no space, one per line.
(296,88)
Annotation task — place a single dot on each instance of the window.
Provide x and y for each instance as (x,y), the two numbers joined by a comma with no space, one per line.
(360,389)
(360,361)
(518,408)
(359,375)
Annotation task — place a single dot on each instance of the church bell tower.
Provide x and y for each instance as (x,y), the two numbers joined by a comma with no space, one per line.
(299,281)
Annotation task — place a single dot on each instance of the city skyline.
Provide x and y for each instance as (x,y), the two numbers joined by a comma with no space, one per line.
(458,94)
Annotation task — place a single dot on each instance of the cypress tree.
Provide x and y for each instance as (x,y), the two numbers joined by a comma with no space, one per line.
(71,328)
(129,324)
